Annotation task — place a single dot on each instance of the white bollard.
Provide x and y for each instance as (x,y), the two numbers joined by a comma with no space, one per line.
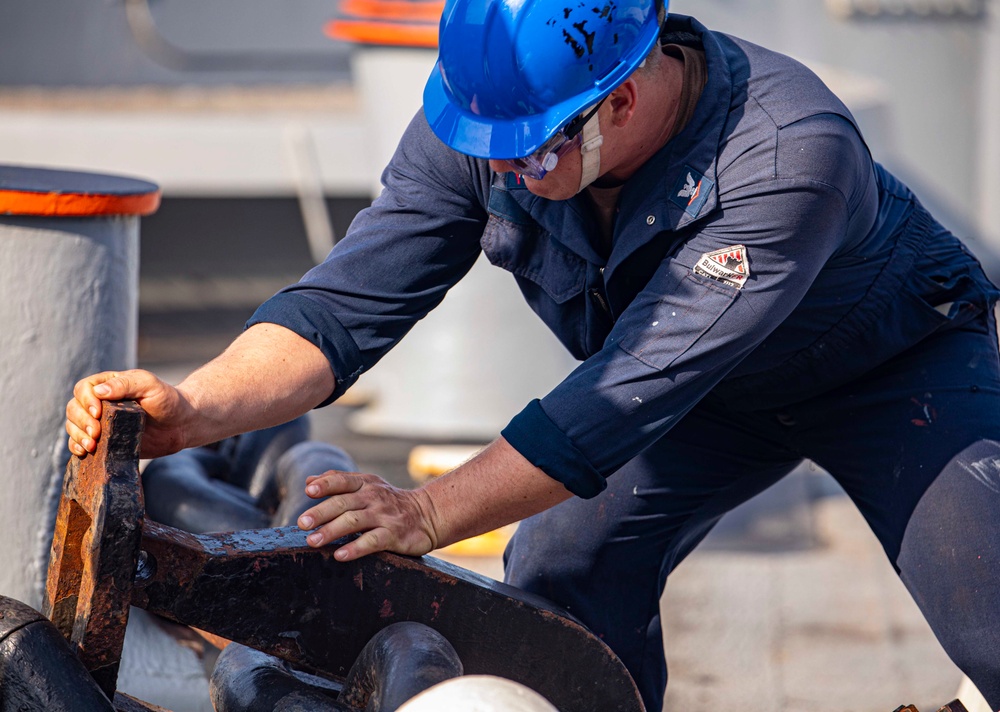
(467,368)
(390,83)
(478,693)
(971,697)
(69,265)
(473,363)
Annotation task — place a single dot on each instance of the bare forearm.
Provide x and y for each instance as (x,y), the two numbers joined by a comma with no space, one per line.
(267,376)
(497,487)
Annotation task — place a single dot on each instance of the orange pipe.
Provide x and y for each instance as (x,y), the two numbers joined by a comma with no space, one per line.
(383,33)
(13,202)
(422,12)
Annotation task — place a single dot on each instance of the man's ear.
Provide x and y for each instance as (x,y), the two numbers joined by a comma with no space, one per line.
(623,101)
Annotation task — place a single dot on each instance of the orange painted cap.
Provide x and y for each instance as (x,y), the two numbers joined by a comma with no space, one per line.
(27,190)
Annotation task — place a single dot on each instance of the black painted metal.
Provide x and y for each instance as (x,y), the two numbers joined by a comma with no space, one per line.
(400,662)
(254,458)
(179,492)
(287,492)
(247,680)
(250,481)
(269,590)
(38,671)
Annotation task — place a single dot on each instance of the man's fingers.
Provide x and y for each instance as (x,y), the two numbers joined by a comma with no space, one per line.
(335,482)
(79,442)
(83,392)
(368,543)
(387,518)
(159,400)
(82,428)
(350,522)
(119,386)
(328,510)
(83,412)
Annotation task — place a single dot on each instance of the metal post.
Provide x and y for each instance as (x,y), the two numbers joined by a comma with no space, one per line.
(69,263)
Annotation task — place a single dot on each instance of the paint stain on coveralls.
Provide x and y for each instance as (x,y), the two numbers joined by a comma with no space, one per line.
(926,413)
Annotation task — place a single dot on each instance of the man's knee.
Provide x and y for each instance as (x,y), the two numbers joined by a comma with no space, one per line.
(950,561)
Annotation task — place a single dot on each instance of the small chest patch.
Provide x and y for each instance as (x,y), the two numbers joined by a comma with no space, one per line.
(727,265)
(691,191)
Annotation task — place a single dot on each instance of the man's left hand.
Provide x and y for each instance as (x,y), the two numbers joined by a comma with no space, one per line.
(389,518)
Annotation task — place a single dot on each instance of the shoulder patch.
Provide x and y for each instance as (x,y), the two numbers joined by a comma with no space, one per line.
(728,265)
(691,190)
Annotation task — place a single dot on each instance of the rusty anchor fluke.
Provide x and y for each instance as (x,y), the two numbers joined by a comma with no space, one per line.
(953,706)
(363,635)
(269,591)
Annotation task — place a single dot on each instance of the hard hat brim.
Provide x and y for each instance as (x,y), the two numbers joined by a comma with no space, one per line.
(485,137)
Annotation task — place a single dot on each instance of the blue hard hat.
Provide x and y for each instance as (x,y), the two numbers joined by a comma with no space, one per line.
(510,73)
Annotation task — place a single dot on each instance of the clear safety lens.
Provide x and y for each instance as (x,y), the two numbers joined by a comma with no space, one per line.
(546,158)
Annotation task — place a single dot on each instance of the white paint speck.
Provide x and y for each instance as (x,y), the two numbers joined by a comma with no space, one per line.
(637,399)
(635,490)
(673,313)
(654,323)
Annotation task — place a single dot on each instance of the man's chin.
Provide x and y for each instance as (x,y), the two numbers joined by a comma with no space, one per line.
(550,190)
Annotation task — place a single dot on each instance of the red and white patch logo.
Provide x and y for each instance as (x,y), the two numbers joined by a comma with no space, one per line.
(727,265)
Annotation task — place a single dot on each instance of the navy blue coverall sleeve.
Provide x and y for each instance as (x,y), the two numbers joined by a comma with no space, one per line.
(680,335)
(396,263)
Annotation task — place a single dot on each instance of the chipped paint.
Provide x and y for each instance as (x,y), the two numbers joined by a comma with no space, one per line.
(986,471)
(927,413)
(95,547)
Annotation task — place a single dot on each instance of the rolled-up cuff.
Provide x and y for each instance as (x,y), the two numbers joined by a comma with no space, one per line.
(316,325)
(546,447)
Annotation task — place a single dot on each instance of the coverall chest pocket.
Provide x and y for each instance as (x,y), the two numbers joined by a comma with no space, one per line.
(516,243)
(688,307)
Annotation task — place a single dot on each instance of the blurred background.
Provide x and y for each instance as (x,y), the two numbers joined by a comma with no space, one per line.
(267,123)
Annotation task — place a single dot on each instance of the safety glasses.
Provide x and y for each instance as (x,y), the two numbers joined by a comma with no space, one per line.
(546,158)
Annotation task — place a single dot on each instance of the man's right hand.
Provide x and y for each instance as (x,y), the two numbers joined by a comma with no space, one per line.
(167,411)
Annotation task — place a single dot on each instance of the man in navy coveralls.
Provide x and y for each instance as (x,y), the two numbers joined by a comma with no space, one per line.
(700,222)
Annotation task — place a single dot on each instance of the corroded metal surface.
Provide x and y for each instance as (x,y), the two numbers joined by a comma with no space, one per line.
(270,591)
(953,706)
(127,703)
(38,671)
(96,544)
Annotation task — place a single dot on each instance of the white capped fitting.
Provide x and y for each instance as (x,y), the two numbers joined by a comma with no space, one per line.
(478,693)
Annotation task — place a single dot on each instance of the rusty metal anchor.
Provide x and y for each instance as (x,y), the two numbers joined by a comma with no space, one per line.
(269,590)
(953,706)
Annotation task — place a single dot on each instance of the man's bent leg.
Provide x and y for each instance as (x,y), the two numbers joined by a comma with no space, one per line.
(916,444)
(606,559)
(950,562)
